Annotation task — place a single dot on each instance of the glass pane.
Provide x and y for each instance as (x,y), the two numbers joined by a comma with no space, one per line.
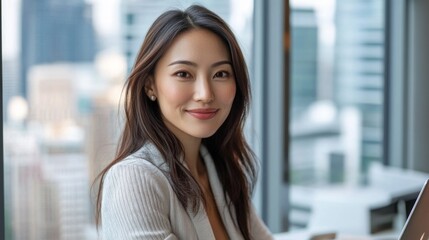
(64,65)
(336,113)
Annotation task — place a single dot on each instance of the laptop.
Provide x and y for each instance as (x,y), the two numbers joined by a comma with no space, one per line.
(417,225)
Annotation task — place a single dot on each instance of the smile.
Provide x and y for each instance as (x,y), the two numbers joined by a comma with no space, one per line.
(203,113)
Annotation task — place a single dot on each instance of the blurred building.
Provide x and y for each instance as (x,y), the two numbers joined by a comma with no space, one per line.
(54,31)
(138,16)
(28,190)
(59,197)
(359,71)
(68,200)
(11,83)
(49,196)
(304,51)
(102,130)
(52,94)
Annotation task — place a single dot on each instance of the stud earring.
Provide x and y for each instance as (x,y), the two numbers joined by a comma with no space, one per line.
(153,97)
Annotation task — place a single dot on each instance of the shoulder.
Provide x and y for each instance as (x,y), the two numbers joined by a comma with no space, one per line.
(146,163)
(134,170)
(137,178)
(136,163)
(136,200)
(133,189)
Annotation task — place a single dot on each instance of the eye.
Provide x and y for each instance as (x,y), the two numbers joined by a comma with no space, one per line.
(182,74)
(221,74)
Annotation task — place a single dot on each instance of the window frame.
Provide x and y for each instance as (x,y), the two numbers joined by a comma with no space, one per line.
(406,129)
(270,110)
(2,221)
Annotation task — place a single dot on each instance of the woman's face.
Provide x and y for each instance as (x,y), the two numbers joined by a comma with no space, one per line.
(194,84)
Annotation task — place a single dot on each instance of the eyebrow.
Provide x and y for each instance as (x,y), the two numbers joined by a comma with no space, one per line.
(195,64)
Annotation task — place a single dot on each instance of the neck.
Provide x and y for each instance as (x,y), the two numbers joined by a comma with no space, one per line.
(192,156)
(191,147)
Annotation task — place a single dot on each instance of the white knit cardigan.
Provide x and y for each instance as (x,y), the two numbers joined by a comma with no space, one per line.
(138,202)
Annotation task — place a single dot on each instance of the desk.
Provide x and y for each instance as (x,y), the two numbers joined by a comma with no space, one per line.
(359,210)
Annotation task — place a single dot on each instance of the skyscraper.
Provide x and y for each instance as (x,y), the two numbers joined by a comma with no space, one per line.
(137,17)
(359,56)
(52,93)
(55,31)
(48,166)
(66,172)
(11,83)
(102,134)
(303,59)
(26,187)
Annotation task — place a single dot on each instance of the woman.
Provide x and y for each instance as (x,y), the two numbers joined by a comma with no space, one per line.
(183,169)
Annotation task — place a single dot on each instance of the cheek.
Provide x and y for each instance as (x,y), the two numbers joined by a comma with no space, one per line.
(172,93)
(228,94)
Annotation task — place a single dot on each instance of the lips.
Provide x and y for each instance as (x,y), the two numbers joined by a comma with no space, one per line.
(203,113)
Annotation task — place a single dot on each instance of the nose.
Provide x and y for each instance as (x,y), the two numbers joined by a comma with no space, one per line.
(203,90)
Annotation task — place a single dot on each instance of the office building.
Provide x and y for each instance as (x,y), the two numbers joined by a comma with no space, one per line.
(304,52)
(48,185)
(137,17)
(27,205)
(102,133)
(359,73)
(66,172)
(11,83)
(54,31)
(52,94)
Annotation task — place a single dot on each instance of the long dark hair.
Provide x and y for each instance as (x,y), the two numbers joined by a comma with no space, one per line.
(235,162)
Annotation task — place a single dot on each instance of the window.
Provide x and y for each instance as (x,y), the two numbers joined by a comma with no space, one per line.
(337,76)
(341,138)
(339,114)
(64,64)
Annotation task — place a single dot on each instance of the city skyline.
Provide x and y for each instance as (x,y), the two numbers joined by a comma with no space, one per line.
(78,117)
(68,118)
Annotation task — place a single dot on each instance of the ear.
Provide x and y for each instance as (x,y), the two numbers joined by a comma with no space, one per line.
(149,88)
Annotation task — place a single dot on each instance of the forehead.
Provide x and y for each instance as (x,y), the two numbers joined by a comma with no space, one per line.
(198,45)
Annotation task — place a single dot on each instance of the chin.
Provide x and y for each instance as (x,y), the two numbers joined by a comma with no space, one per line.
(205,134)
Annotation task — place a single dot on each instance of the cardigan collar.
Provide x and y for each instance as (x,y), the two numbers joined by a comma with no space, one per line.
(218,192)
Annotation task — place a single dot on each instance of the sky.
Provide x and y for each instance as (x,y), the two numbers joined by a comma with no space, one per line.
(10,30)
(106,16)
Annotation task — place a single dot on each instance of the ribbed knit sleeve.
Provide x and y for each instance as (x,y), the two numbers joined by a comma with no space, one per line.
(135,203)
